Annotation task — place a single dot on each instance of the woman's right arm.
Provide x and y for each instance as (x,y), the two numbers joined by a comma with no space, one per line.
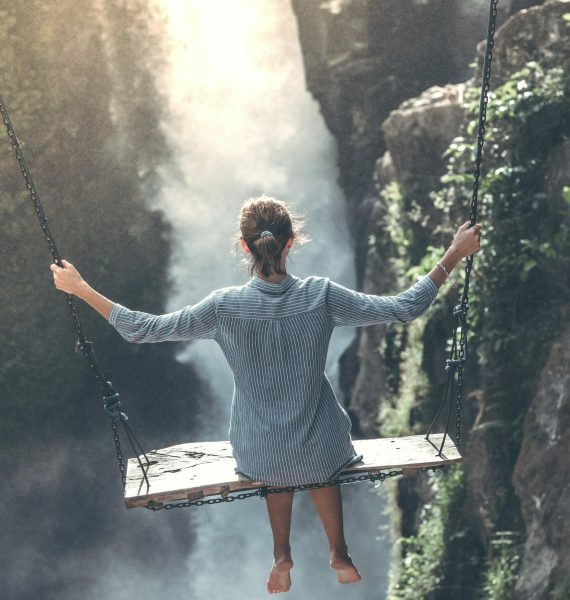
(190,322)
(69,280)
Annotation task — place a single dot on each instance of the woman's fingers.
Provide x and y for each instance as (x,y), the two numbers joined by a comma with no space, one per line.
(475,237)
(56,270)
(468,238)
(478,233)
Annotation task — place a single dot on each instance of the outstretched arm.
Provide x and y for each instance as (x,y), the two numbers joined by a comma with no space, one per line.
(351,308)
(68,279)
(190,322)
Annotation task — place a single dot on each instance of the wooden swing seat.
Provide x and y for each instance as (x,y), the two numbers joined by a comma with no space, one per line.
(193,471)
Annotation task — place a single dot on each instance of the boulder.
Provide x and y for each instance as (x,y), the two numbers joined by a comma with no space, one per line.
(419,131)
(363,58)
(537,34)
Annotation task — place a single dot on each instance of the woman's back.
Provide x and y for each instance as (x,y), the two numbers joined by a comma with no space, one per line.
(286,425)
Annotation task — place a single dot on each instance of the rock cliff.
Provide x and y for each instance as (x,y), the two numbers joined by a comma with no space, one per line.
(541,477)
(364,57)
(386,76)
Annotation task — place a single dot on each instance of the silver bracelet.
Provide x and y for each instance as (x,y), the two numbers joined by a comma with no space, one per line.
(443,268)
(453,284)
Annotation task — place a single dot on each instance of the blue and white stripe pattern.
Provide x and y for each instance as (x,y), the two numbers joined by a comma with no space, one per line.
(287,426)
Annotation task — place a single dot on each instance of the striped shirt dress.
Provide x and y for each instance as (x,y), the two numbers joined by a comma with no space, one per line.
(286,426)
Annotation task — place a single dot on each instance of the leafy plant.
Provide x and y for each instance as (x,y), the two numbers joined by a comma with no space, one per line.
(503,564)
(422,568)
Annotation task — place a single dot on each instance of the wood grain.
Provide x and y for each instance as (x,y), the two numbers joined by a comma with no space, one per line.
(193,471)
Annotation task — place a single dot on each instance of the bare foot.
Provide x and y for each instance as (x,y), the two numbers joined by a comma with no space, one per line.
(341,562)
(279,576)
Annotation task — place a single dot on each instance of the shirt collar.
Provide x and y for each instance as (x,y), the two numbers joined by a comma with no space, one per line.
(269,287)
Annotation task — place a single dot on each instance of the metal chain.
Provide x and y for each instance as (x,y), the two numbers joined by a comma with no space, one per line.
(111,403)
(187,503)
(481,128)
(373,476)
(115,427)
(459,349)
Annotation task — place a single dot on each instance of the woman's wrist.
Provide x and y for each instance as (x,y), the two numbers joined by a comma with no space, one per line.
(451,257)
(443,268)
(102,305)
(83,290)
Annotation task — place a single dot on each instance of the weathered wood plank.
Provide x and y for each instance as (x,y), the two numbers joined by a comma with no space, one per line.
(207,468)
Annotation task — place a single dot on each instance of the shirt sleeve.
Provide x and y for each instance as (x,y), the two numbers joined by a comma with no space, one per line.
(350,308)
(191,322)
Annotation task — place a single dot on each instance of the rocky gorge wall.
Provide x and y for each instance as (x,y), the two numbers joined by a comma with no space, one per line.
(364,57)
(386,76)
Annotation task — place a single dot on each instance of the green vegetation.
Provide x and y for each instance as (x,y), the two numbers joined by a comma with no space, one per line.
(522,272)
(503,563)
(395,419)
(94,174)
(423,568)
(518,301)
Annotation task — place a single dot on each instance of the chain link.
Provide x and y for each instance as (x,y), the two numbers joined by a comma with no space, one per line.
(263,492)
(115,427)
(459,348)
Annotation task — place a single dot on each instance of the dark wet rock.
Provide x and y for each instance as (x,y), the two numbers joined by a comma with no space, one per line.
(491,504)
(542,479)
(368,388)
(363,58)
(363,68)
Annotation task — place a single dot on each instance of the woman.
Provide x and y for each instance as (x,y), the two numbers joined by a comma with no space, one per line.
(286,427)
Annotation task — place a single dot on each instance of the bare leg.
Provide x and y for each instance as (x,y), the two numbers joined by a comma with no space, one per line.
(328,503)
(279,509)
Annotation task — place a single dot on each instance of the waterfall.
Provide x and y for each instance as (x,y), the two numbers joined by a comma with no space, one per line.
(242,124)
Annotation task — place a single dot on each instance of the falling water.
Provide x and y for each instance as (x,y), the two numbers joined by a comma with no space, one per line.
(243,124)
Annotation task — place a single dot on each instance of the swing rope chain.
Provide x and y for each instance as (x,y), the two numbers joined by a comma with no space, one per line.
(263,492)
(111,403)
(459,352)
